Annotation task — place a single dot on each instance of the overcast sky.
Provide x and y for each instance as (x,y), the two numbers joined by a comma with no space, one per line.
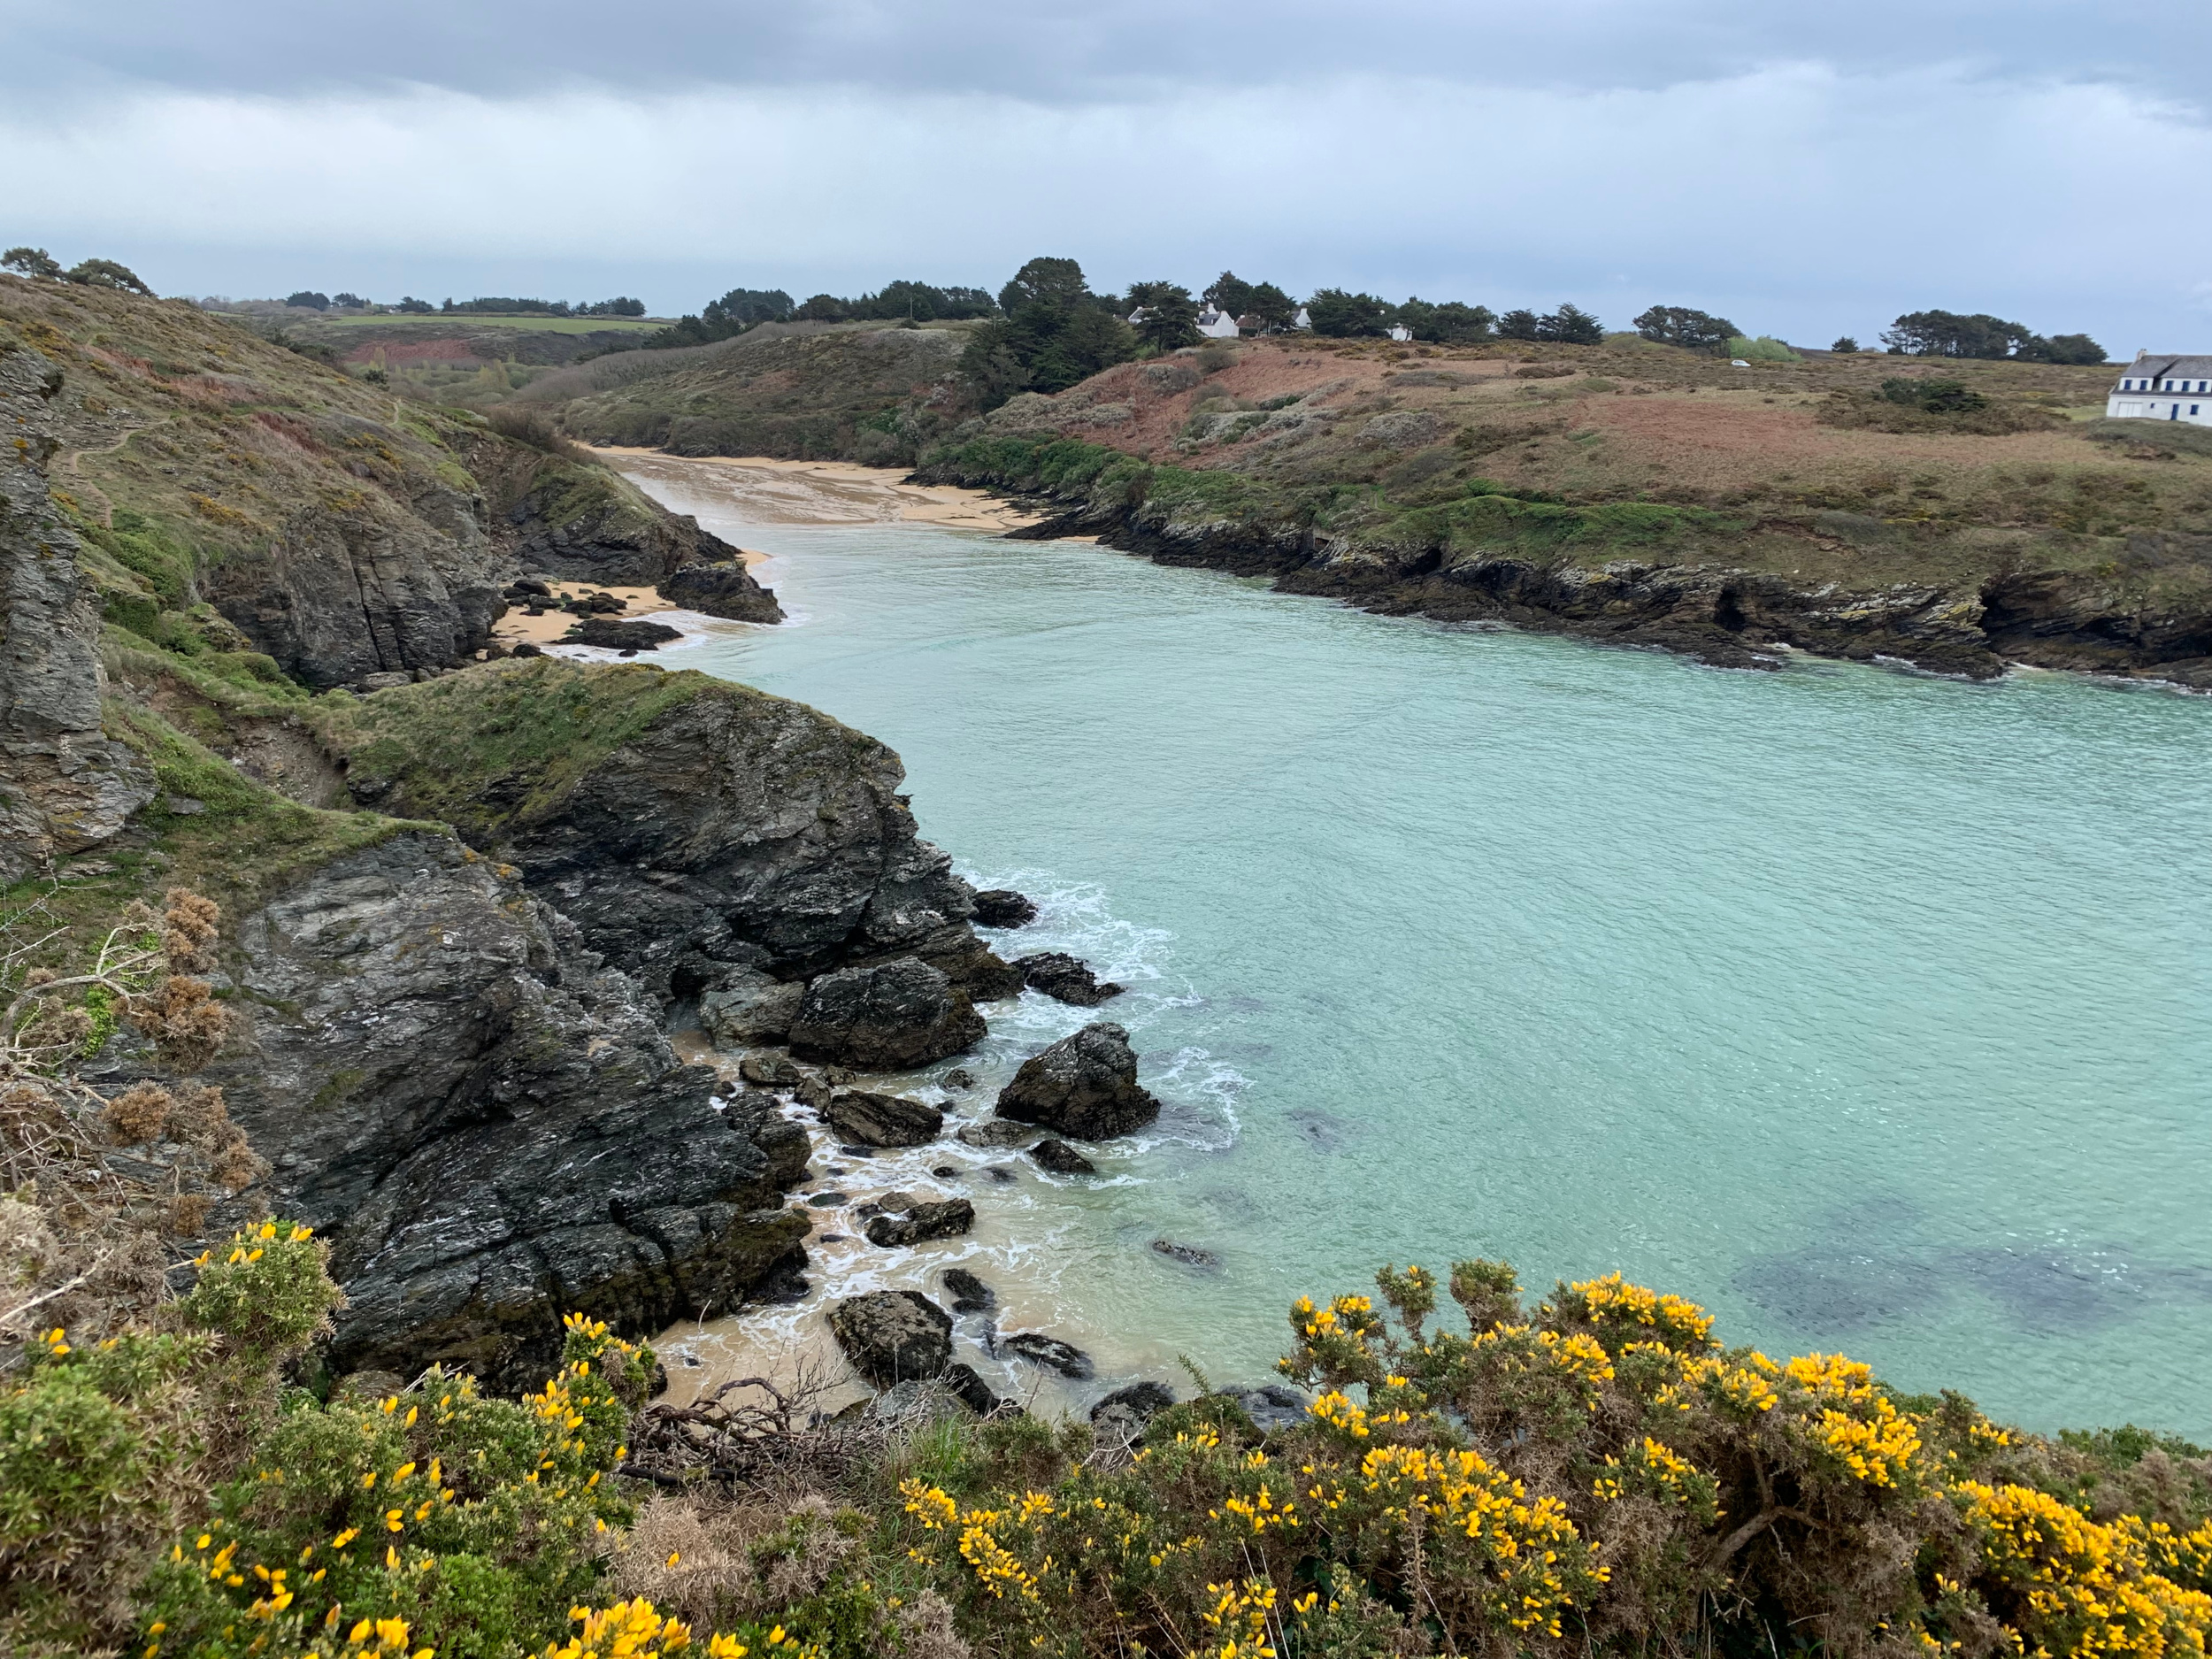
(1804,170)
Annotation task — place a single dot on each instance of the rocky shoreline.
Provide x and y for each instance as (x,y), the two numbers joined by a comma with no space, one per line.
(1724,616)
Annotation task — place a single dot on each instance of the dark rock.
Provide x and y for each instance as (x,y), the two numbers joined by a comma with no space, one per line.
(1002,907)
(784,1284)
(1064,978)
(969,1295)
(883,1120)
(1119,1419)
(748,1007)
(526,585)
(489,1129)
(770,1071)
(1061,1158)
(1272,1406)
(958,1078)
(995,1132)
(972,1391)
(1189,1255)
(887,1017)
(1084,1087)
(526,649)
(814,1094)
(65,785)
(856,1152)
(617,636)
(720,589)
(596,606)
(735,830)
(1064,1357)
(892,1336)
(946,1173)
(823,1201)
(1000,1173)
(946,1219)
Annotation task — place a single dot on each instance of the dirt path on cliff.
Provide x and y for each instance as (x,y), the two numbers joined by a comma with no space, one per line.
(762,490)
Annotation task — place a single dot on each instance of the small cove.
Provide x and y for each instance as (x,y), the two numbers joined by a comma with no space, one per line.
(1866,1009)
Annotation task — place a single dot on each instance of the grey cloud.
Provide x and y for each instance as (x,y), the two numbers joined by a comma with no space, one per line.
(1059,51)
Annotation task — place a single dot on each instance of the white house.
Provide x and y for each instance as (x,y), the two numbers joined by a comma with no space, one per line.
(1216,325)
(2163,389)
(1399,331)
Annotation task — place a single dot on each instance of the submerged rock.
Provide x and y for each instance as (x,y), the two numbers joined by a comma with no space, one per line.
(1061,1158)
(1064,1357)
(1064,978)
(1084,1087)
(1189,1255)
(886,1017)
(995,1132)
(892,1336)
(969,1295)
(946,1219)
(883,1120)
(958,1078)
(1002,907)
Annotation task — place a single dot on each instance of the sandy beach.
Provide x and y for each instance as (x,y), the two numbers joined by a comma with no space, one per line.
(765,490)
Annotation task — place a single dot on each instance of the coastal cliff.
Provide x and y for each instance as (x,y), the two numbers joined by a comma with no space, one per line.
(1629,573)
(461,909)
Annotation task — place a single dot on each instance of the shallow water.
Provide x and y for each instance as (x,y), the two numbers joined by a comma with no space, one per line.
(1867,1008)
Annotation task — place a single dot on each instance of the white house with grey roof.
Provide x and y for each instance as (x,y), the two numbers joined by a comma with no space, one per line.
(2155,388)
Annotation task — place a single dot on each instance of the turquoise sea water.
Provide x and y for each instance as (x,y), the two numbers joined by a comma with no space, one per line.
(1867,1008)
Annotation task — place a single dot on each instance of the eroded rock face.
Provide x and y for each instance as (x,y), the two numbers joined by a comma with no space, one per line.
(65,785)
(893,1336)
(734,830)
(1084,1087)
(870,1120)
(748,1007)
(487,1125)
(886,1017)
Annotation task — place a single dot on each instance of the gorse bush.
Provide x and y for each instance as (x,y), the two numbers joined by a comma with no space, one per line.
(476,1522)
(1598,1472)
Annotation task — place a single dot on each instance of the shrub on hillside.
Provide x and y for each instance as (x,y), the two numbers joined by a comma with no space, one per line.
(1765,349)
(1681,325)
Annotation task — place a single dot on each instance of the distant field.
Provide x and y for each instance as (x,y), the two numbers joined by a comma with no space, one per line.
(499,320)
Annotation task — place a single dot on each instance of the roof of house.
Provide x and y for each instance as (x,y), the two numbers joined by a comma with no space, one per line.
(2150,367)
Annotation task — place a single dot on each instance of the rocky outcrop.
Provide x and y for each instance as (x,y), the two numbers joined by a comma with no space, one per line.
(609,636)
(708,829)
(892,1336)
(945,1218)
(1084,1087)
(724,589)
(65,785)
(557,509)
(1002,907)
(1064,978)
(748,1007)
(869,1119)
(486,1124)
(885,1016)
(1690,602)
